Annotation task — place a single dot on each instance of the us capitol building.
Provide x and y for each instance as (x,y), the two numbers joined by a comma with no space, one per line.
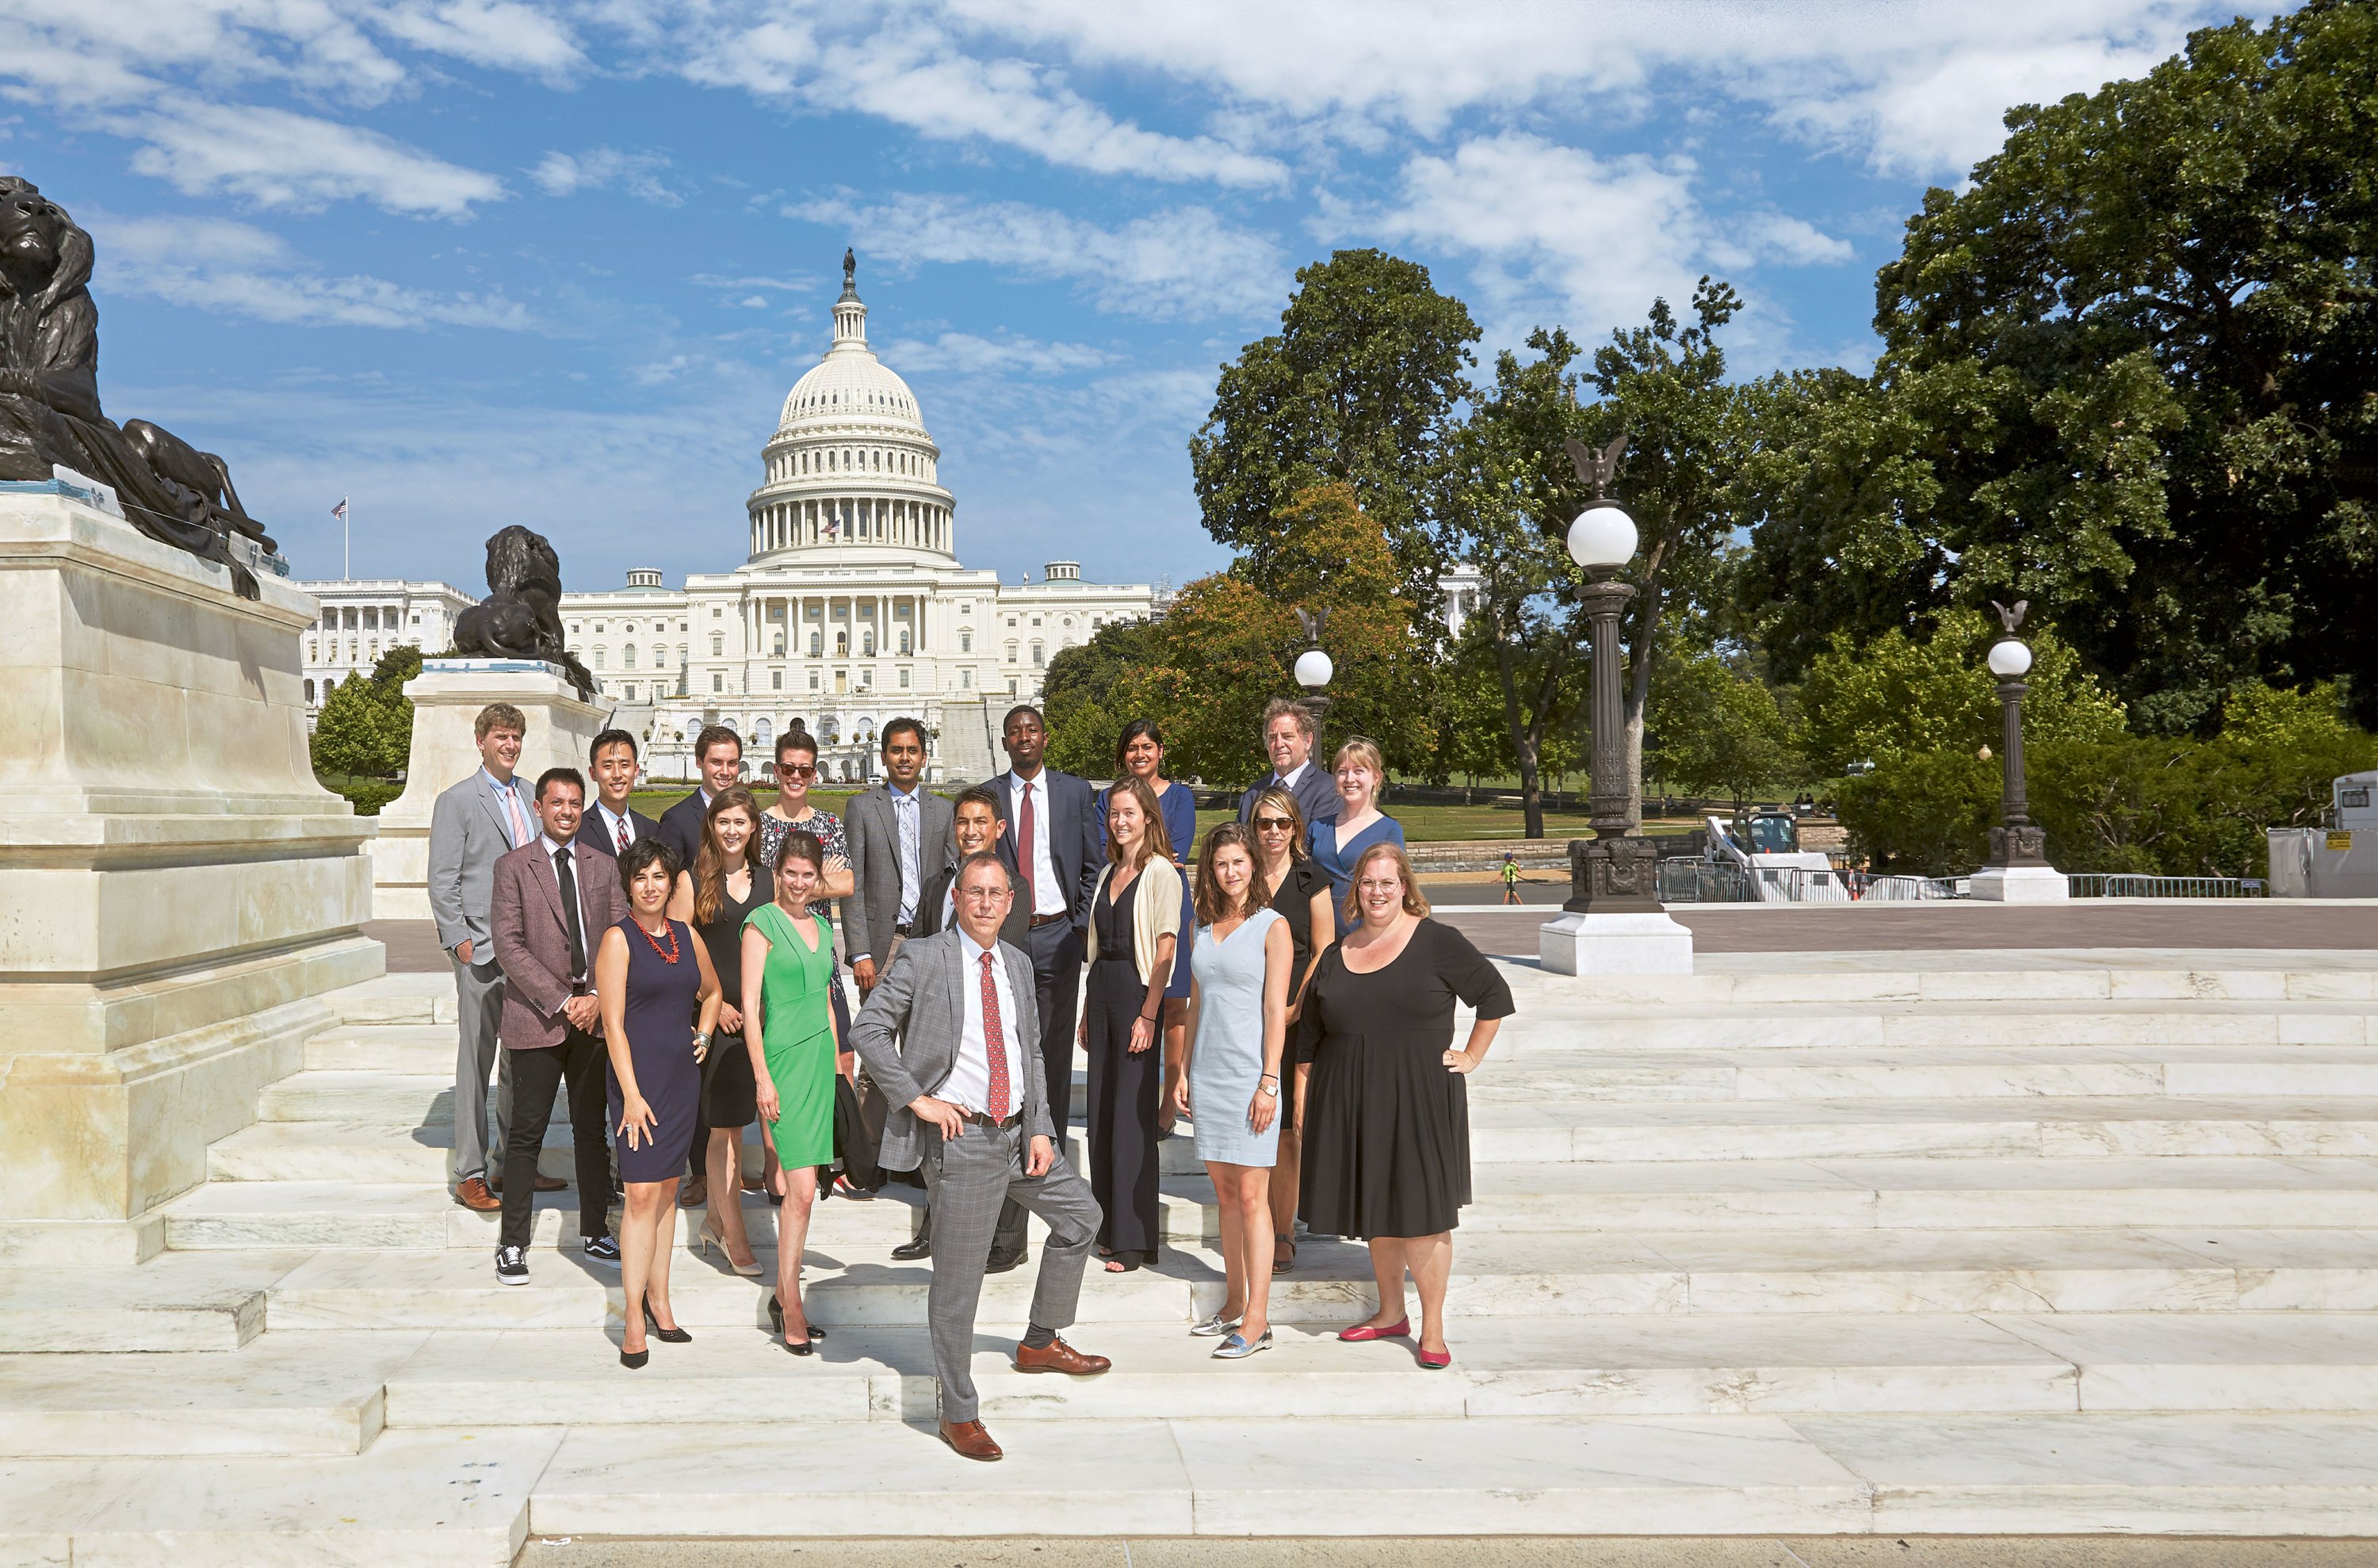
(850,608)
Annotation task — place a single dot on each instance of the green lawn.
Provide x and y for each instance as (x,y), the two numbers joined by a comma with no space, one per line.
(1421,823)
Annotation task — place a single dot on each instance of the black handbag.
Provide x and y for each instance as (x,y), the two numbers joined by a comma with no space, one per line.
(858,1137)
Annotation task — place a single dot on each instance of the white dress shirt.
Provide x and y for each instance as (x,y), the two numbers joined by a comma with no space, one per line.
(908,818)
(1287,780)
(1048,896)
(615,824)
(968,1085)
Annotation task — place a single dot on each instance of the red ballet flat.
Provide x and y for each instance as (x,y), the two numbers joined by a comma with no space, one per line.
(1434,1360)
(1363,1333)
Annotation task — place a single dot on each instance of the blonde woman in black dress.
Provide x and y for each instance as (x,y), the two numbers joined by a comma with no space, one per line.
(1386,1117)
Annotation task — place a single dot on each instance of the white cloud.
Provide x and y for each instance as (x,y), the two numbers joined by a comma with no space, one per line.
(493,34)
(234,269)
(966,353)
(1779,236)
(1184,261)
(898,64)
(559,174)
(274,158)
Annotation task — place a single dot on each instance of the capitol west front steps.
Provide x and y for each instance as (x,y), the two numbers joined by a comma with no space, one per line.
(1909,1243)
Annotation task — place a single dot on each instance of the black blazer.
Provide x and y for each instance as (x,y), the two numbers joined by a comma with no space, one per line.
(1015,930)
(596,833)
(682,827)
(1316,796)
(1078,844)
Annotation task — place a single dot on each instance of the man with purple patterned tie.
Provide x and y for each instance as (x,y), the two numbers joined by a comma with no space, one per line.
(610,824)
(973,1113)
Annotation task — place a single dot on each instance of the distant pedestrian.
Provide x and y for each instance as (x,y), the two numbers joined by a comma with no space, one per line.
(1510,877)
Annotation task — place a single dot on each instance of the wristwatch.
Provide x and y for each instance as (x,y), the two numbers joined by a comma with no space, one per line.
(1263,1087)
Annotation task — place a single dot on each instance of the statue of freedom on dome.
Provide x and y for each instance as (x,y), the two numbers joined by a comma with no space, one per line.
(49,395)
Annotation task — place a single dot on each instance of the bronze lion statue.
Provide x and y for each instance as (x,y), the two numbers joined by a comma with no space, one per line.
(520,617)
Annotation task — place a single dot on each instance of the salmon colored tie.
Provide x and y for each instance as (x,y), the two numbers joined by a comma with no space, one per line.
(994,1043)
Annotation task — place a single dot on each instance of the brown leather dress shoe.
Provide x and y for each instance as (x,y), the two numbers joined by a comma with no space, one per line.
(473,1195)
(693,1195)
(550,1184)
(968,1441)
(1060,1358)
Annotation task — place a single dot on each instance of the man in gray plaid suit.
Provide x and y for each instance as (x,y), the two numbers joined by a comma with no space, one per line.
(950,1036)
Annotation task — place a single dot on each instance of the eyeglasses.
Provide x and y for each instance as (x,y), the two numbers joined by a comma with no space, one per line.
(1273,824)
(798,770)
(983,895)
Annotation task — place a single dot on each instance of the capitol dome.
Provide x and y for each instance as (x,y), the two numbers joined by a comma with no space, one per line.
(851,465)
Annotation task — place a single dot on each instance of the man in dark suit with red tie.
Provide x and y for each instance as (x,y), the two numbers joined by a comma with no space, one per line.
(610,824)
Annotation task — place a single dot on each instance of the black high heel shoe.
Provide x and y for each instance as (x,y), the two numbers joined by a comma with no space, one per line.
(667,1336)
(777,1320)
(631,1359)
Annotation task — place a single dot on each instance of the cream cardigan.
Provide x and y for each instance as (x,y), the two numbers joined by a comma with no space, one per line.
(1155,913)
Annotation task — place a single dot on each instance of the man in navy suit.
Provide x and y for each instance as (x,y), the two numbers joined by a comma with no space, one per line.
(1288,740)
(610,824)
(718,753)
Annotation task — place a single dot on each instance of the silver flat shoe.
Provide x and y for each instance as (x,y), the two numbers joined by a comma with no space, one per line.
(1216,1324)
(1238,1347)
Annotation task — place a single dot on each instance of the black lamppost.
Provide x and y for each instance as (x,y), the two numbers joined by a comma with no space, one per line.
(1617,870)
(1314,667)
(2018,868)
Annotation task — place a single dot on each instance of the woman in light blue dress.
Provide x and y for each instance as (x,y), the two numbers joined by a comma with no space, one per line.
(1230,1083)
(1337,845)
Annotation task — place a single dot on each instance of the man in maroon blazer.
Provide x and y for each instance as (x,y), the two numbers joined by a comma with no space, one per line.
(554,898)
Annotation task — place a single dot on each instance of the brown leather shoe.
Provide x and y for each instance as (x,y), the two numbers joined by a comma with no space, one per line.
(693,1195)
(550,1184)
(1060,1358)
(473,1195)
(968,1441)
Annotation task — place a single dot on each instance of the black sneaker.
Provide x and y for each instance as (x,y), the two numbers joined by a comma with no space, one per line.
(511,1265)
(604,1250)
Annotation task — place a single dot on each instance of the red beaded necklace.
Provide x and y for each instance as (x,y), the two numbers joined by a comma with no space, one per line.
(668,954)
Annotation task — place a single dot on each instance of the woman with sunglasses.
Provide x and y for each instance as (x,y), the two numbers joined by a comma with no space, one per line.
(1299,891)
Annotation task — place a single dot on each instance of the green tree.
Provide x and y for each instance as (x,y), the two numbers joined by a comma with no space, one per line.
(1359,386)
(1715,730)
(2139,344)
(365,726)
(1899,696)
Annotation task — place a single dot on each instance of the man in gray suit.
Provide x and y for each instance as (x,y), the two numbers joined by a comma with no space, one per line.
(948,1034)
(899,835)
(475,823)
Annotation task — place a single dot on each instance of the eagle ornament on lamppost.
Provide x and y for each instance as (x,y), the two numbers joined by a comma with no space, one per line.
(1613,923)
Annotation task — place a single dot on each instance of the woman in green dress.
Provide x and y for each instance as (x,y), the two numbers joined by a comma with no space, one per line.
(788,1028)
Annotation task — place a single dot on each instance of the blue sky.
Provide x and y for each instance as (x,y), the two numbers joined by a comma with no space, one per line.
(482,261)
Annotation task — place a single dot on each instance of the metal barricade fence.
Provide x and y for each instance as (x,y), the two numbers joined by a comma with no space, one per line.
(2127,885)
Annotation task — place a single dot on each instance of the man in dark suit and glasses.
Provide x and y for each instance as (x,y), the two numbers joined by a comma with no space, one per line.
(946,1034)
(610,824)
(718,753)
(1288,735)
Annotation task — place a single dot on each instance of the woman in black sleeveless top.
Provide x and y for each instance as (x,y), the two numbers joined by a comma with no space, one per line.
(724,884)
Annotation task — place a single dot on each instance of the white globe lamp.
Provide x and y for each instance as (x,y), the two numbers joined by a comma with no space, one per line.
(1313,669)
(2010,658)
(1603,537)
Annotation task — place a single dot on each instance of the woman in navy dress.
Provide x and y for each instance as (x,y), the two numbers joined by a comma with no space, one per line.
(653,974)
(1139,754)
(1337,845)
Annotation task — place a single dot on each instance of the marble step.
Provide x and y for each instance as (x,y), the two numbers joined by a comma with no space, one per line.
(1505,1476)
(1875,1026)
(457,1498)
(387,1047)
(1501,1366)
(397,999)
(1937,1073)
(1769,979)
(1655,1274)
(171,1302)
(282,1393)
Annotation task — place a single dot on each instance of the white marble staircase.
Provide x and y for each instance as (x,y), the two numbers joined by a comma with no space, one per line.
(1887,1243)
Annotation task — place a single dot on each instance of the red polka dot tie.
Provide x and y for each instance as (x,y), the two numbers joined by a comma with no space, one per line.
(994,1044)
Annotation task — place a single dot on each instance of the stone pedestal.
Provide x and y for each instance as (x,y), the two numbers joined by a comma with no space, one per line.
(175,884)
(447,696)
(1637,943)
(2019,885)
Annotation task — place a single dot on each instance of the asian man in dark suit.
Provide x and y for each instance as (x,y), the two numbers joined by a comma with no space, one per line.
(610,824)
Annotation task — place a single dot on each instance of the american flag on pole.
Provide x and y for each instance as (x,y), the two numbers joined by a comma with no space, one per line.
(340,510)
(833,524)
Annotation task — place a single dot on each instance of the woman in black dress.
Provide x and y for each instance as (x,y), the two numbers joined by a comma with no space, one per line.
(1134,929)
(724,885)
(653,975)
(1299,890)
(1386,1124)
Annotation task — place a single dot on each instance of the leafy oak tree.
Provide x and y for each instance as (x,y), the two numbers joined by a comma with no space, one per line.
(2137,356)
(365,725)
(1358,387)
